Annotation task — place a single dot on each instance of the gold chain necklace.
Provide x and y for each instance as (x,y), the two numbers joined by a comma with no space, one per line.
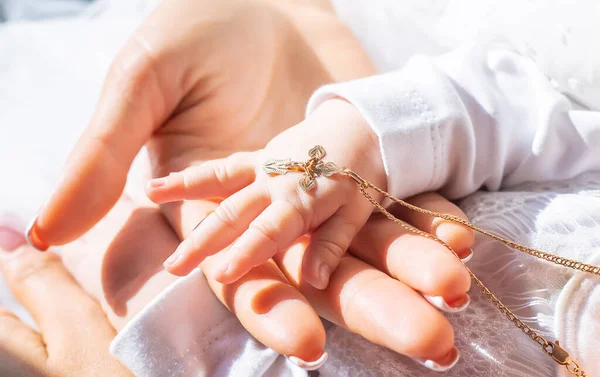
(315,167)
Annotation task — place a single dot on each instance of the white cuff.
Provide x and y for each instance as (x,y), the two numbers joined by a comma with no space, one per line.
(406,109)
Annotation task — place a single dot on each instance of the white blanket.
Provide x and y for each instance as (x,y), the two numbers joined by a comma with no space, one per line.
(50,77)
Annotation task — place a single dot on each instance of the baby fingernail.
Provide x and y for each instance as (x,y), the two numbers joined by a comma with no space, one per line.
(157,182)
(222,271)
(324,275)
(10,239)
(33,237)
(172,260)
(450,307)
(447,362)
(309,365)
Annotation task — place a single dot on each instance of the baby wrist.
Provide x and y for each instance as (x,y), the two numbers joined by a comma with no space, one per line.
(351,142)
(407,110)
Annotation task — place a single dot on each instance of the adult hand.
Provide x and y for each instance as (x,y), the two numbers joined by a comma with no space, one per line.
(198,80)
(119,261)
(74,334)
(202,79)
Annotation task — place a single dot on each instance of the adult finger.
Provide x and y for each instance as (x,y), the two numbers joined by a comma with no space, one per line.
(273,311)
(419,262)
(20,345)
(367,302)
(69,319)
(22,350)
(134,102)
(457,236)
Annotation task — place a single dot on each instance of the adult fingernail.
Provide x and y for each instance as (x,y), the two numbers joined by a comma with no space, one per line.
(10,239)
(446,363)
(450,307)
(467,257)
(32,234)
(309,365)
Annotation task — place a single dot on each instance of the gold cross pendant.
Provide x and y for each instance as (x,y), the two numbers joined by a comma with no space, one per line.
(312,168)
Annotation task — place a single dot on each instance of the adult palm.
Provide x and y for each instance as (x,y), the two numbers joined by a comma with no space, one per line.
(198,80)
(202,79)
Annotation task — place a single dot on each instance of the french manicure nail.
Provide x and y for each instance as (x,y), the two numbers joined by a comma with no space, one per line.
(467,257)
(10,239)
(309,365)
(33,238)
(453,357)
(454,307)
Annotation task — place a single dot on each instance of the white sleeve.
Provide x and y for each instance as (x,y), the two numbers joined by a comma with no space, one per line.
(478,117)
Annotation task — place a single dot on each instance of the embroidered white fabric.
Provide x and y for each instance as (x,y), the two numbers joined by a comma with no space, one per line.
(556,34)
(561,217)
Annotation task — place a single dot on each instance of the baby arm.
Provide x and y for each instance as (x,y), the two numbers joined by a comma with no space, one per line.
(262,214)
(478,117)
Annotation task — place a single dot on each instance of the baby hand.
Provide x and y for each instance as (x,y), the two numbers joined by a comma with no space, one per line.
(262,214)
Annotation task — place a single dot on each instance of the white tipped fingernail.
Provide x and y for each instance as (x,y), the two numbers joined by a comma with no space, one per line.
(437,367)
(440,303)
(309,365)
(32,237)
(467,257)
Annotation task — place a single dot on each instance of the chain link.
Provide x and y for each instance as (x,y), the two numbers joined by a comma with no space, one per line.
(553,349)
